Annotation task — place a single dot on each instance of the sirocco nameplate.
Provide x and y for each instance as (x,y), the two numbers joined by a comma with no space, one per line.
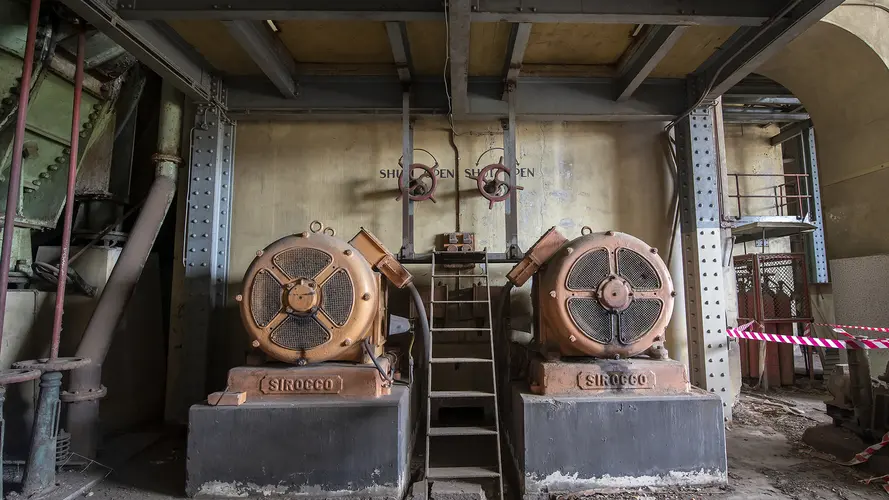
(291,384)
(604,381)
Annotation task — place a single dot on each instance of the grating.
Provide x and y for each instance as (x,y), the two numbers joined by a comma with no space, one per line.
(784,291)
(336,297)
(302,262)
(265,298)
(636,270)
(589,271)
(592,319)
(299,333)
(638,319)
(744,280)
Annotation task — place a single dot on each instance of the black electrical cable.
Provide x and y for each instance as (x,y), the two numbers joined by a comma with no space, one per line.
(385,376)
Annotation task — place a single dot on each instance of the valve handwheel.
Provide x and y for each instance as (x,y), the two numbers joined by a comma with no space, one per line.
(418,188)
(495,188)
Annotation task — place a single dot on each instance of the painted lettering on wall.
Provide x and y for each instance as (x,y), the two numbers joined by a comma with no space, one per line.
(523,172)
(393,173)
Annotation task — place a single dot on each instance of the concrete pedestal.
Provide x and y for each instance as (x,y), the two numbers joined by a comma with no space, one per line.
(566,444)
(301,447)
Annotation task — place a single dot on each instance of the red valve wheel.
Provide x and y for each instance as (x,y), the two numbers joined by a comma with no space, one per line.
(418,189)
(494,189)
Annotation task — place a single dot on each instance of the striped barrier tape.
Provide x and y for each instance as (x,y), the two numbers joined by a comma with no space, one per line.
(879,479)
(851,343)
(841,328)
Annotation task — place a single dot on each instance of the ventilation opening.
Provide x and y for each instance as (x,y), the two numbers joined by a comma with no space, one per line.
(589,271)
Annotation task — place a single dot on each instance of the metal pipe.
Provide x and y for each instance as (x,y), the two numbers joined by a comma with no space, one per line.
(69,197)
(15,169)
(85,388)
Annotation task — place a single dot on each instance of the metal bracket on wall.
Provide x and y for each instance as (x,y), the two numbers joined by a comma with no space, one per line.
(510,206)
(817,251)
(206,242)
(407,159)
(702,254)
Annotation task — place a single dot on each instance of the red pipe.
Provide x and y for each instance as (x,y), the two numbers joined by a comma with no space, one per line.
(15,169)
(69,197)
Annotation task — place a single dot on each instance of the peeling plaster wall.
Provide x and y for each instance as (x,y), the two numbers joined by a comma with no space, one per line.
(838,68)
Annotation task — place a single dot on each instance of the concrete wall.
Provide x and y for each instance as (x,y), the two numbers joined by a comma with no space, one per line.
(838,68)
(606,176)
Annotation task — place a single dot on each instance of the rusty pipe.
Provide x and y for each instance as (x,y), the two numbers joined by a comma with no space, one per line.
(85,389)
(69,197)
(15,169)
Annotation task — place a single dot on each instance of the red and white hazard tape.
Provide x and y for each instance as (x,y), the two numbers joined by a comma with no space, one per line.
(865,455)
(851,327)
(742,333)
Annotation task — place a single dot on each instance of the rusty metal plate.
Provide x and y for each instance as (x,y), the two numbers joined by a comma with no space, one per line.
(590,376)
(295,384)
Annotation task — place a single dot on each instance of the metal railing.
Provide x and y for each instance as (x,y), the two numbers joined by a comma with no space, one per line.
(791,195)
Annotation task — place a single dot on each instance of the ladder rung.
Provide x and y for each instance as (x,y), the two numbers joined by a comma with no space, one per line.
(460,276)
(460,472)
(459,301)
(461,360)
(460,394)
(462,431)
(460,329)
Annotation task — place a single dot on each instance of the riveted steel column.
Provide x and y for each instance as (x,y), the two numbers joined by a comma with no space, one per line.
(206,247)
(702,254)
(510,159)
(407,159)
(817,249)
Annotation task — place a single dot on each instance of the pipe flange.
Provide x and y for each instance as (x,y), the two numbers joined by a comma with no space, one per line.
(77,397)
(159,157)
(52,365)
(17,375)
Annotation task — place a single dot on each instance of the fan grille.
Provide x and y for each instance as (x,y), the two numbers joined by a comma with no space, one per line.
(302,262)
(636,270)
(337,295)
(589,271)
(638,319)
(299,333)
(593,320)
(265,298)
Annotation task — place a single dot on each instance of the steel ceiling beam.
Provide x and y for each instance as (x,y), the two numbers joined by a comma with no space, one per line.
(747,116)
(790,132)
(268,52)
(401,50)
(153,45)
(765,100)
(540,99)
(459,12)
(641,59)
(712,12)
(515,53)
(756,46)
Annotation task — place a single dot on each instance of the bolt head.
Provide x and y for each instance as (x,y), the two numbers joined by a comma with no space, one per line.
(255,343)
(366,296)
(347,342)
(239,298)
(259,253)
(570,250)
(572,338)
(347,253)
(552,293)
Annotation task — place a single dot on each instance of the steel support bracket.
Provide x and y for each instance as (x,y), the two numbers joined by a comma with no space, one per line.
(206,245)
(817,249)
(702,253)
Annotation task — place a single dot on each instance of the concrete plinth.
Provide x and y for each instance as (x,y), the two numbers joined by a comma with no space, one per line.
(567,444)
(303,447)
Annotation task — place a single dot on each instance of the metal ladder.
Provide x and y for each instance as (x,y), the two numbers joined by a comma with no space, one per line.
(474,472)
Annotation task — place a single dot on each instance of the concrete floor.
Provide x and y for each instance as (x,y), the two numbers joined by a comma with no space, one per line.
(767,460)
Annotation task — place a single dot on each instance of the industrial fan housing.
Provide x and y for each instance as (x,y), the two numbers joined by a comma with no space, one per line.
(605,295)
(313,297)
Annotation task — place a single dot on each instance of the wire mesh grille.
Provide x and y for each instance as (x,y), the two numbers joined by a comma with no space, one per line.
(638,319)
(265,298)
(593,320)
(589,271)
(299,333)
(336,297)
(783,285)
(302,262)
(636,270)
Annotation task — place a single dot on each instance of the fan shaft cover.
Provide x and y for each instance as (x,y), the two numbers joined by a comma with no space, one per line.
(605,295)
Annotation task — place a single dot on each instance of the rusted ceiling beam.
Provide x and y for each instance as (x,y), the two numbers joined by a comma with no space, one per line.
(515,53)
